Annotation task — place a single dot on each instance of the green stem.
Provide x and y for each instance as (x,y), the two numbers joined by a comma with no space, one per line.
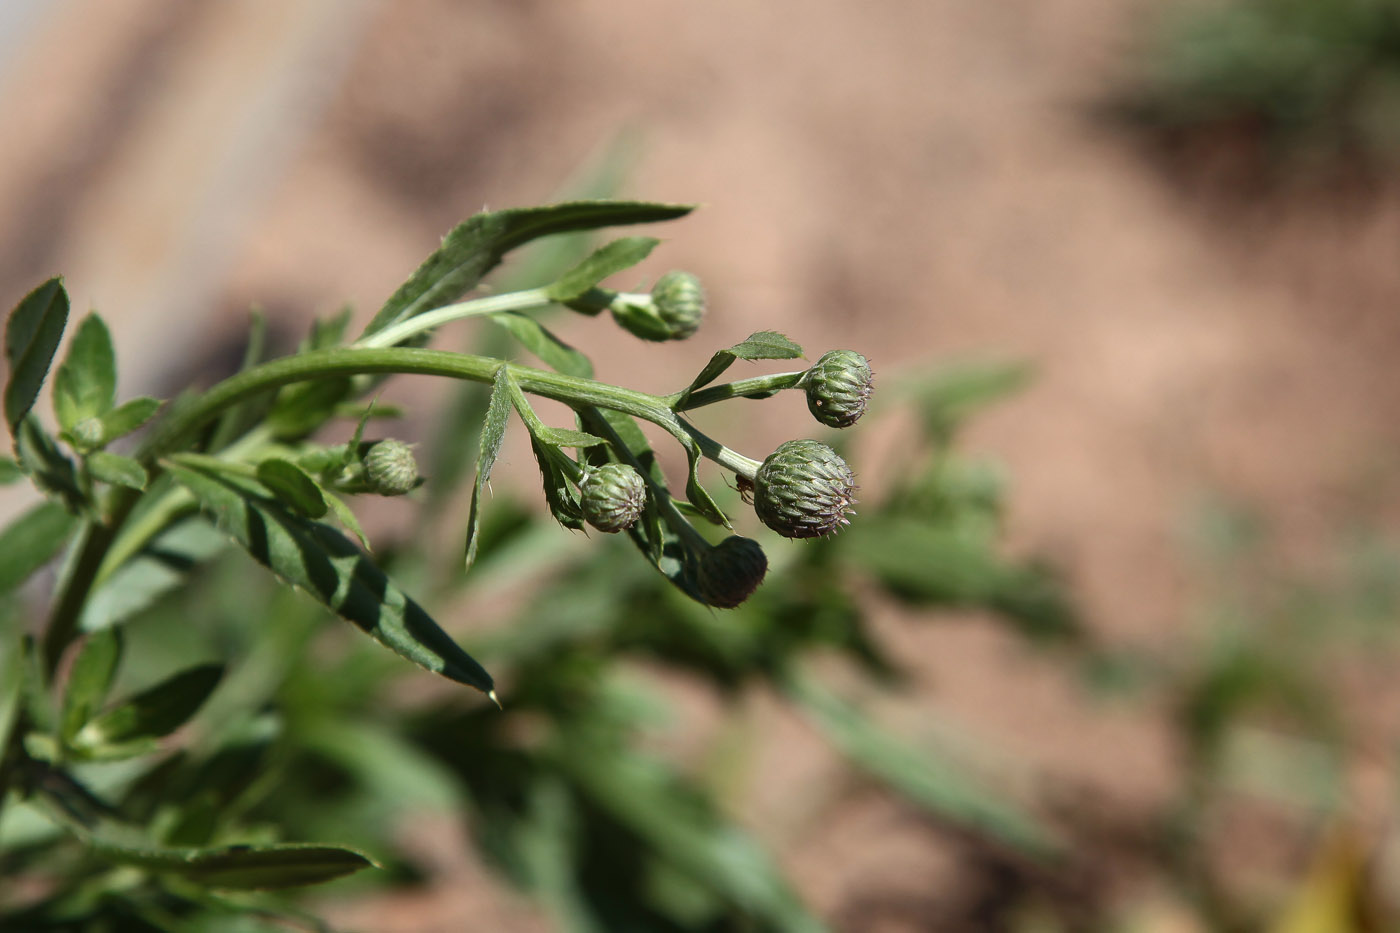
(758,386)
(511,301)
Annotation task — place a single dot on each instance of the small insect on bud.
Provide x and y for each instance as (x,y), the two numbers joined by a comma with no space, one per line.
(838,388)
(730,571)
(612,497)
(672,311)
(390,468)
(803,490)
(88,434)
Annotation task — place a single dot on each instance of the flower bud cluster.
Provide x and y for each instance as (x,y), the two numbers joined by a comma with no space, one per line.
(612,497)
(672,311)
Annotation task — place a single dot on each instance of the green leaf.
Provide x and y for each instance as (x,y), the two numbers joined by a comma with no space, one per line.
(554,352)
(251,867)
(31,541)
(152,713)
(160,566)
(304,407)
(697,494)
(346,517)
(492,433)
(85,385)
(763,345)
(478,244)
(328,332)
(89,680)
(566,437)
(559,493)
(320,560)
(13,681)
(48,468)
(10,471)
(32,335)
(291,484)
(128,416)
(117,470)
(921,777)
(605,261)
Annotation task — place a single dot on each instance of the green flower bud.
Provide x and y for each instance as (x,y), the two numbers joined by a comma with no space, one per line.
(672,311)
(838,388)
(612,497)
(729,572)
(88,434)
(803,490)
(390,468)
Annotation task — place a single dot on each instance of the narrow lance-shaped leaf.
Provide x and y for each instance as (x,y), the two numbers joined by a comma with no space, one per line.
(763,345)
(478,244)
(492,433)
(48,467)
(32,334)
(89,680)
(605,261)
(320,560)
(161,566)
(154,712)
(31,541)
(538,340)
(85,384)
(291,484)
(128,416)
(116,469)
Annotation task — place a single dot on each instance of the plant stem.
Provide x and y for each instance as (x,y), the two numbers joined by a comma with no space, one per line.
(758,386)
(511,301)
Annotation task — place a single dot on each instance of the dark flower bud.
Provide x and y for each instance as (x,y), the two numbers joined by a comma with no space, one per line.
(672,311)
(390,468)
(730,571)
(612,497)
(838,388)
(803,490)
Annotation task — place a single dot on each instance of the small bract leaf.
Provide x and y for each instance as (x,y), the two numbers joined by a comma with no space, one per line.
(565,437)
(763,345)
(32,334)
(492,433)
(291,484)
(31,541)
(559,493)
(128,416)
(117,470)
(346,517)
(607,260)
(85,385)
(152,713)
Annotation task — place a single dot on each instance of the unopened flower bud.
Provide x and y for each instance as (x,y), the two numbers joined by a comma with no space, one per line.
(838,388)
(729,572)
(672,311)
(390,468)
(803,490)
(612,497)
(88,434)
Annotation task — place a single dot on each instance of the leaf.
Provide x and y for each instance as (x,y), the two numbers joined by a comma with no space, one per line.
(116,469)
(154,712)
(763,345)
(328,332)
(478,244)
(128,416)
(10,471)
(323,562)
(13,680)
(559,493)
(346,517)
(567,437)
(85,385)
(554,352)
(697,494)
(89,680)
(304,407)
(48,468)
(31,541)
(492,433)
(921,777)
(160,566)
(31,336)
(607,260)
(290,483)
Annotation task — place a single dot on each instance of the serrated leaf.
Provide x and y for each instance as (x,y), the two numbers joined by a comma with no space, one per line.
(31,541)
(566,437)
(154,712)
(479,243)
(291,484)
(320,560)
(538,340)
(607,260)
(559,493)
(48,467)
(763,345)
(493,431)
(128,416)
(85,385)
(89,680)
(116,469)
(10,471)
(32,334)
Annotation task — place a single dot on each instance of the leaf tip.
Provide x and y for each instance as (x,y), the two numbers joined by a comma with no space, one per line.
(491,695)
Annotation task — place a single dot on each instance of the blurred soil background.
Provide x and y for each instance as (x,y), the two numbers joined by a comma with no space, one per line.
(917,180)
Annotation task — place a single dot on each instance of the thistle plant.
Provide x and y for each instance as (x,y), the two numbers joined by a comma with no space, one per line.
(245,456)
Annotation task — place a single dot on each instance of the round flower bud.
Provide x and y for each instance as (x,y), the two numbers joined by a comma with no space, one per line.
(88,434)
(730,571)
(390,468)
(803,490)
(612,497)
(838,388)
(672,311)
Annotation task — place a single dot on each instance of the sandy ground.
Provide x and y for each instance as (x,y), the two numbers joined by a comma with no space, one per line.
(916,182)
